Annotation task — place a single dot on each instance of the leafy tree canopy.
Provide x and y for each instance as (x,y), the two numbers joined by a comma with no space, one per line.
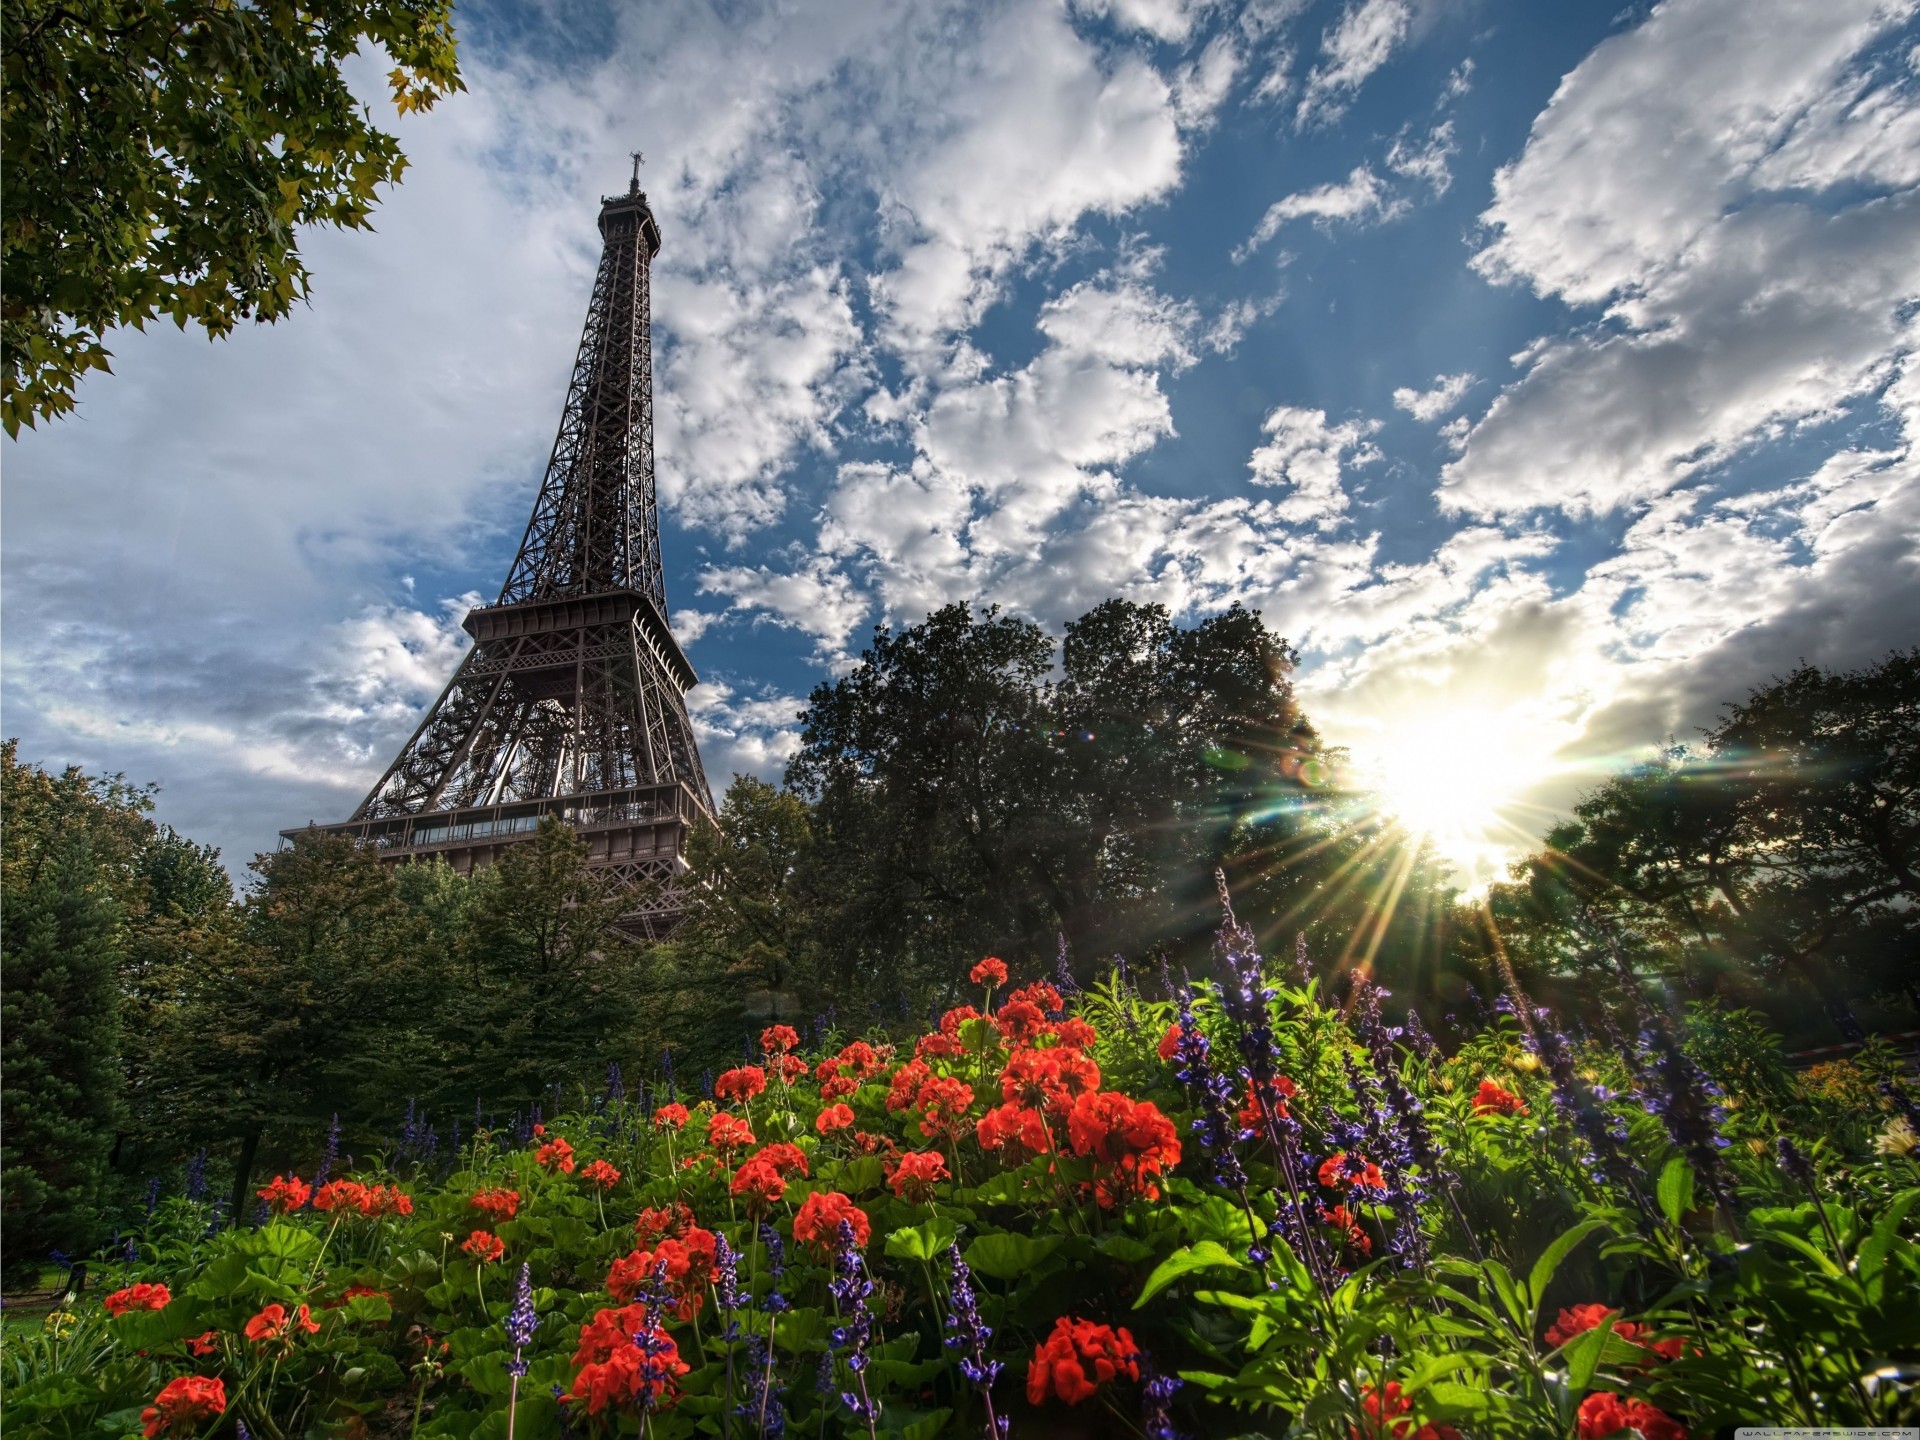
(161,155)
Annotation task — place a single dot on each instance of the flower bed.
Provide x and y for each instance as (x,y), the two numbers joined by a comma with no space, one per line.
(1232,1210)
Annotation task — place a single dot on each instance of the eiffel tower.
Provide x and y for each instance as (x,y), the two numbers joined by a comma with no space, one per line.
(571,701)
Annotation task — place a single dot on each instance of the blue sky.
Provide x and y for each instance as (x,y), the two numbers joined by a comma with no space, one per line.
(1544,372)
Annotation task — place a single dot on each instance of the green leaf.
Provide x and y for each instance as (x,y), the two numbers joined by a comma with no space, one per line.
(1550,1260)
(1010,1257)
(926,1427)
(923,1241)
(1207,1255)
(1873,1252)
(1675,1190)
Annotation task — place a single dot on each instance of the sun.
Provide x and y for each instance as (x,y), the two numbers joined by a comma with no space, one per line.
(1460,777)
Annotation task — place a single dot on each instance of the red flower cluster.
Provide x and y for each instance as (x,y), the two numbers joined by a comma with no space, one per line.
(742,1083)
(860,1060)
(1604,1414)
(142,1296)
(729,1132)
(1579,1319)
(612,1372)
(1280,1089)
(943,1103)
(206,1342)
(600,1175)
(762,1180)
(1014,1133)
(779,1039)
(1169,1047)
(555,1157)
(792,1069)
(1019,1021)
(670,1117)
(484,1246)
(273,1323)
(367,1199)
(653,1223)
(1339,1171)
(496,1205)
(285,1193)
(1492,1099)
(1340,1219)
(917,1173)
(1130,1141)
(1049,1080)
(1078,1358)
(1075,1032)
(689,1266)
(819,1219)
(834,1117)
(990,971)
(1383,1407)
(907,1081)
(183,1405)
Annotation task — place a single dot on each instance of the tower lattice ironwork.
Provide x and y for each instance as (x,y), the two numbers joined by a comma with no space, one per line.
(571,701)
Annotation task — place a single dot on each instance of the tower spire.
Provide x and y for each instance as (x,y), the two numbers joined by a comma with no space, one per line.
(571,702)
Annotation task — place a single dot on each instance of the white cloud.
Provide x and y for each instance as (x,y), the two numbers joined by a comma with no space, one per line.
(1360,196)
(1429,161)
(1669,181)
(1368,33)
(1307,455)
(814,599)
(743,734)
(1436,400)
(1171,20)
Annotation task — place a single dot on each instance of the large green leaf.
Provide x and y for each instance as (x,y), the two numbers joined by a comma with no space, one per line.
(1207,1255)
(1550,1260)
(1675,1190)
(1010,1257)
(923,1241)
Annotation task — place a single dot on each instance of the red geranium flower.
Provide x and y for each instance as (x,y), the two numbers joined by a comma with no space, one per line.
(143,1296)
(205,1343)
(340,1195)
(1578,1319)
(820,1215)
(1018,1021)
(834,1117)
(1604,1414)
(670,1117)
(273,1323)
(612,1372)
(741,1083)
(953,1019)
(555,1157)
(1492,1099)
(1169,1047)
(1280,1089)
(784,1158)
(990,971)
(653,1223)
(1076,1033)
(943,1103)
(1129,1139)
(1048,1079)
(906,1083)
(729,1132)
(1340,1219)
(839,1087)
(1014,1133)
(759,1184)
(1338,1171)
(600,1175)
(1383,1407)
(386,1200)
(792,1069)
(1078,1358)
(497,1205)
(285,1193)
(484,1246)
(685,1265)
(916,1175)
(860,1060)
(779,1039)
(183,1405)
(935,1046)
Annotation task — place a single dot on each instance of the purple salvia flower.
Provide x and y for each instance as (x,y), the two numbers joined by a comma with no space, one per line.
(616,1084)
(330,1156)
(1688,1104)
(969,1334)
(153,1194)
(1604,1132)
(1793,1160)
(1156,1404)
(762,1405)
(522,1321)
(197,1176)
(1212,1094)
(775,1302)
(851,1289)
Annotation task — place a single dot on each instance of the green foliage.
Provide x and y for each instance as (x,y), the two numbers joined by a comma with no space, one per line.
(162,156)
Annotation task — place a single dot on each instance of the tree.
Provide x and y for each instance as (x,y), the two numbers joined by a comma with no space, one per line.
(162,154)
(69,878)
(748,901)
(544,988)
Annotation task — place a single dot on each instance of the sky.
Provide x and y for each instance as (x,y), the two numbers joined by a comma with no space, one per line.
(1546,374)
